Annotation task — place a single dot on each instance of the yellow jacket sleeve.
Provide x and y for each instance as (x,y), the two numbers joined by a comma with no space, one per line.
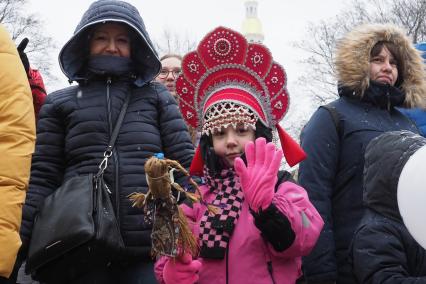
(17,138)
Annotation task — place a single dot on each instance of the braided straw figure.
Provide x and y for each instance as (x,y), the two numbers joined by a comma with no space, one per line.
(171,235)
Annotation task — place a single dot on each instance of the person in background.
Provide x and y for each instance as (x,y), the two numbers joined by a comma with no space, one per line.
(17,138)
(170,70)
(418,115)
(378,69)
(34,78)
(383,250)
(111,58)
(264,222)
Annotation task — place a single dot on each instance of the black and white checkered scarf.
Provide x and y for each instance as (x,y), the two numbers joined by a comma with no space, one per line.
(216,230)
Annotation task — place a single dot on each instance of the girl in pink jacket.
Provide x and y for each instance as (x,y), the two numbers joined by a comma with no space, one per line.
(235,94)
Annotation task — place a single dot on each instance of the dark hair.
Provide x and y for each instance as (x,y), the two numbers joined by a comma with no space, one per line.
(394,50)
(212,161)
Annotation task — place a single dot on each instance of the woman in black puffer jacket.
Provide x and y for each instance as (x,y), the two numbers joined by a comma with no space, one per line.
(110,55)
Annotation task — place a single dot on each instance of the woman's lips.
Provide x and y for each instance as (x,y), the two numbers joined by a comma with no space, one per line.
(385,79)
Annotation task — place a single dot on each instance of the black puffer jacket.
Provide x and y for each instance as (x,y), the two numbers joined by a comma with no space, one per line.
(76,123)
(383,251)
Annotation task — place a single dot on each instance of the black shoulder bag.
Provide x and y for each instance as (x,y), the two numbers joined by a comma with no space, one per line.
(76,228)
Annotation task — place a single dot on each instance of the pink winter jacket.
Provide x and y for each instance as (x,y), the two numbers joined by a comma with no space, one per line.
(248,253)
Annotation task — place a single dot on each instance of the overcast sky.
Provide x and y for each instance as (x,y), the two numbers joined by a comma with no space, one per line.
(283,21)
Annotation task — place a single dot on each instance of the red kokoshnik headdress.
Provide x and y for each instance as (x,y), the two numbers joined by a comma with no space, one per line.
(227,70)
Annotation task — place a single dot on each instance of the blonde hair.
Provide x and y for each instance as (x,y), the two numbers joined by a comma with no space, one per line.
(171,55)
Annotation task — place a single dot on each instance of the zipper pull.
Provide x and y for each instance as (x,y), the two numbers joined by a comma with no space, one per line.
(389,104)
(107,188)
(388,97)
(109,80)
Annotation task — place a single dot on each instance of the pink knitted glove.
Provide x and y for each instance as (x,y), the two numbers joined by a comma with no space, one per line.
(258,178)
(181,271)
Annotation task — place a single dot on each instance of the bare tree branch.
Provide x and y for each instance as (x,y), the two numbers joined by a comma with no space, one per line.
(321,38)
(173,42)
(21,24)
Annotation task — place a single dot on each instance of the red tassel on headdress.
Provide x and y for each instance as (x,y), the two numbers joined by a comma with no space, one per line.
(196,168)
(293,153)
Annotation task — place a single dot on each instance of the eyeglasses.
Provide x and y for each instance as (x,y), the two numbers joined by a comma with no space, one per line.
(164,73)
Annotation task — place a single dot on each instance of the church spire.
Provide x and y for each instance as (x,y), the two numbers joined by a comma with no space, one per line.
(252,27)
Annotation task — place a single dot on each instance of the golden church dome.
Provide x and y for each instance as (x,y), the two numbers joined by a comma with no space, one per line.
(252,27)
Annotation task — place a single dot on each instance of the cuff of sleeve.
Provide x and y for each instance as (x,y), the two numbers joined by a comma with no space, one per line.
(275,227)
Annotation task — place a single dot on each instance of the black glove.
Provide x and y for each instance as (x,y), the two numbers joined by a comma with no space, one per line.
(23,55)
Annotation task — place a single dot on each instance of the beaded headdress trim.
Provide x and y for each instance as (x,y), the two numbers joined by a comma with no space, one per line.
(224,114)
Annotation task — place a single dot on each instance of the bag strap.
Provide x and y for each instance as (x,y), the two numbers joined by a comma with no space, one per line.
(118,123)
(108,152)
(335,116)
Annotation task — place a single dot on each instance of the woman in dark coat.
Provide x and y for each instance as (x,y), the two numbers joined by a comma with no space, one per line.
(378,69)
(383,251)
(110,55)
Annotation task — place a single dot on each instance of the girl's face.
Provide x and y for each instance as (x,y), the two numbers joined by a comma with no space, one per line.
(230,143)
(383,67)
(110,39)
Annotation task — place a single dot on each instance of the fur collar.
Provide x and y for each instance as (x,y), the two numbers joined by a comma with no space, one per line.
(353,59)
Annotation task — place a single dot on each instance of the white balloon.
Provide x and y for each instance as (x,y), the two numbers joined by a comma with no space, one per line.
(412,195)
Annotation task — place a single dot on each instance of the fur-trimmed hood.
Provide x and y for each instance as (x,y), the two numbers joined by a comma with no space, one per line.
(353,60)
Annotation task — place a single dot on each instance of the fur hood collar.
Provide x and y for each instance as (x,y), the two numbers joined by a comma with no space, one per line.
(353,59)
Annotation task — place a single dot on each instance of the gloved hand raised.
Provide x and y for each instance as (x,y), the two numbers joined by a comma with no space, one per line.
(259,177)
(24,58)
(182,270)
